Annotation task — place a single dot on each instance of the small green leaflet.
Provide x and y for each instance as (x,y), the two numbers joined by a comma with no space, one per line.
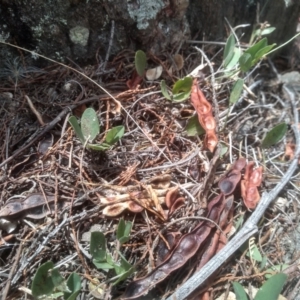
(74,286)
(140,62)
(229,50)
(265,31)
(193,127)
(42,283)
(98,246)
(254,253)
(236,91)
(245,62)
(276,268)
(74,123)
(271,288)
(182,89)
(256,47)
(239,291)
(164,90)
(114,134)
(89,124)
(274,135)
(123,231)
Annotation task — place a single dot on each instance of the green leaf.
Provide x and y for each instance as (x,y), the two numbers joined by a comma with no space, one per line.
(256,47)
(103,265)
(193,127)
(98,147)
(183,85)
(74,285)
(229,50)
(121,228)
(237,52)
(73,296)
(124,263)
(182,89)
(263,262)
(123,231)
(245,62)
(236,91)
(223,149)
(239,223)
(274,269)
(164,90)
(271,288)
(181,96)
(89,124)
(124,276)
(262,52)
(239,291)
(254,253)
(98,246)
(74,123)
(265,31)
(274,135)
(125,269)
(140,62)
(57,279)
(114,134)
(109,259)
(42,283)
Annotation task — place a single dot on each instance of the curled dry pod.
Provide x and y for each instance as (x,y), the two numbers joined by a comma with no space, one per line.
(205,116)
(171,197)
(176,205)
(164,249)
(239,164)
(229,182)
(252,180)
(187,246)
(134,207)
(218,240)
(114,209)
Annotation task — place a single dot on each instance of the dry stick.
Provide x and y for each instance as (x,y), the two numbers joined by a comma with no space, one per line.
(11,273)
(250,226)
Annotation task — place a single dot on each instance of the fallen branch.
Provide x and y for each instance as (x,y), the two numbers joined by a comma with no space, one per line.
(250,226)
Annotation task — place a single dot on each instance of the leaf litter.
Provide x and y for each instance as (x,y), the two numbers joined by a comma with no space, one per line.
(155,177)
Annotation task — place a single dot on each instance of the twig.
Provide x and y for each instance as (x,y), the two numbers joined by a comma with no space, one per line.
(177,163)
(12,270)
(34,110)
(112,32)
(250,226)
(46,240)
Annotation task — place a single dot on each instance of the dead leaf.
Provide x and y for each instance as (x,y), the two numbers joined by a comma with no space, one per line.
(179,61)
(135,80)
(155,73)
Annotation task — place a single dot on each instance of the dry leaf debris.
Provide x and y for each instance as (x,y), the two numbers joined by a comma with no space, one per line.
(155,146)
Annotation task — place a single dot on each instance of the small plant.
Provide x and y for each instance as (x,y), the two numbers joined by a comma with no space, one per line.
(90,128)
(48,283)
(274,135)
(270,290)
(140,62)
(181,89)
(104,260)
